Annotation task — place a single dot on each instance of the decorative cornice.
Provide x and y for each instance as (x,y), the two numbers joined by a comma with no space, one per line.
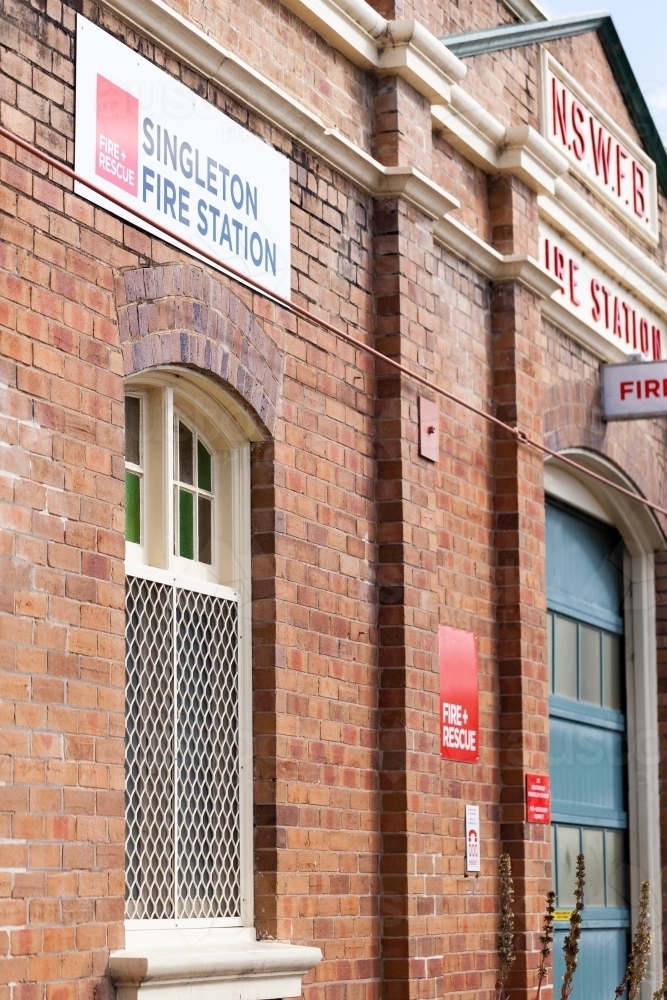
(493,265)
(528,155)
(415,187)
(470,129)
(589,230)
(525,10)
(466,124)
(155,20)
(579,331)
(412,52)
(350,30)
(508,36)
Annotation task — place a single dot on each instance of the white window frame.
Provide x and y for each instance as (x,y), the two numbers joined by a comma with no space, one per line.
(236,427)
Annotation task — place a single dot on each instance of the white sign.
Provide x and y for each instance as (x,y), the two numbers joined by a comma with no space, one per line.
(599,301)
(604,157)
(633,391)
(473,845)
(148,140)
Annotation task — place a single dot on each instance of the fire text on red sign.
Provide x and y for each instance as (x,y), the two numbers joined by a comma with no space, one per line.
(459,695)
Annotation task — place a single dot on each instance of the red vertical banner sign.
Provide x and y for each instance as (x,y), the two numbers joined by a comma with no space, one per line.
(459,695)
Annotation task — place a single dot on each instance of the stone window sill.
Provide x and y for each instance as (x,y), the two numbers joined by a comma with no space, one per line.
(215,970)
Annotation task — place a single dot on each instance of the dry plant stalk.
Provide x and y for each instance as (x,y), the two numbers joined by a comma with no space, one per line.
(546,939)
(571,946)
(660,994)
(641,948)
(506,939)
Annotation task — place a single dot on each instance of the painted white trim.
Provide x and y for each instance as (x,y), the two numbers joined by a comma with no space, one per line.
(642,537)
(216,407)
(355,28)
(519,150)
(184,582)
(548,64)
(585,227)
(413,53)
(644,753)
(528,272)
(526,10)
(559,483)
(528,155)
(470,129)
(565,320)
(169,29)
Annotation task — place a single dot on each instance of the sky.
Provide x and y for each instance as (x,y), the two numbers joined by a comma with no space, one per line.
(642,26)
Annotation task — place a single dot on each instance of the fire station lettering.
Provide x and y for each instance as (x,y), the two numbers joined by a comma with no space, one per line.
(459,695)
(166,152)
(606,159)
(599,301)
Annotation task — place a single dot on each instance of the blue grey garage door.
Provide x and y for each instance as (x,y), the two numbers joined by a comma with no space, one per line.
(588,741)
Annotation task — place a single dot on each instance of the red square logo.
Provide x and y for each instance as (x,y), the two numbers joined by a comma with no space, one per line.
(117,144)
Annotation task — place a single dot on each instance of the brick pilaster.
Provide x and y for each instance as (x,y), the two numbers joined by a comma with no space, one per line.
(410,782)
(517,352)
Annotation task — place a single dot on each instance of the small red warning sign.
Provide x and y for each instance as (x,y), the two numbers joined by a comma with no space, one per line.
(117,135)
(538,799)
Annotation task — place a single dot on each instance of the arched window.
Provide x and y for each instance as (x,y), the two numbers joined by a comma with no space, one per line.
(188,791)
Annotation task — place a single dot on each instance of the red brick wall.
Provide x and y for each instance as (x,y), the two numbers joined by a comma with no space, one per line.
(360,547)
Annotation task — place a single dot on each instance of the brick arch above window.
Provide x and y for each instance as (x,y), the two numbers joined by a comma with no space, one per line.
(179,314)
(572,419)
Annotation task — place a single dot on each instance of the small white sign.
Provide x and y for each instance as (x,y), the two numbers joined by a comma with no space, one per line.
(145,138)
(634,391)
(473,846)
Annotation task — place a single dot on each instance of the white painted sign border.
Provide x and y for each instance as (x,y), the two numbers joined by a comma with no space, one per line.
(634,391)
(202,128)
(549,64)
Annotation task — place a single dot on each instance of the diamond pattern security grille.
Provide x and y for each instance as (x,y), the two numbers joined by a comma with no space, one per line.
(182,753)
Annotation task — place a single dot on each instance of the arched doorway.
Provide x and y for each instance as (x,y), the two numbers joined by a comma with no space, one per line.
(603,713)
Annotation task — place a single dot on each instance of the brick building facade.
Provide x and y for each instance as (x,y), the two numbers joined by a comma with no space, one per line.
(434,217)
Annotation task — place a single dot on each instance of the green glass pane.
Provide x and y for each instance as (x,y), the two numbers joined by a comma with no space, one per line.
(186,524)
(204,529)
(132,508)
(204,475)
(133,430)
(185,454)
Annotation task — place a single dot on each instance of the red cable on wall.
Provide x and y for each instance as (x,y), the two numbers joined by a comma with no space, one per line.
(310,317)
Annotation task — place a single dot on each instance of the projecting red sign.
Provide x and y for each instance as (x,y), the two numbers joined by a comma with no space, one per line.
(459,695)
(538,799)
